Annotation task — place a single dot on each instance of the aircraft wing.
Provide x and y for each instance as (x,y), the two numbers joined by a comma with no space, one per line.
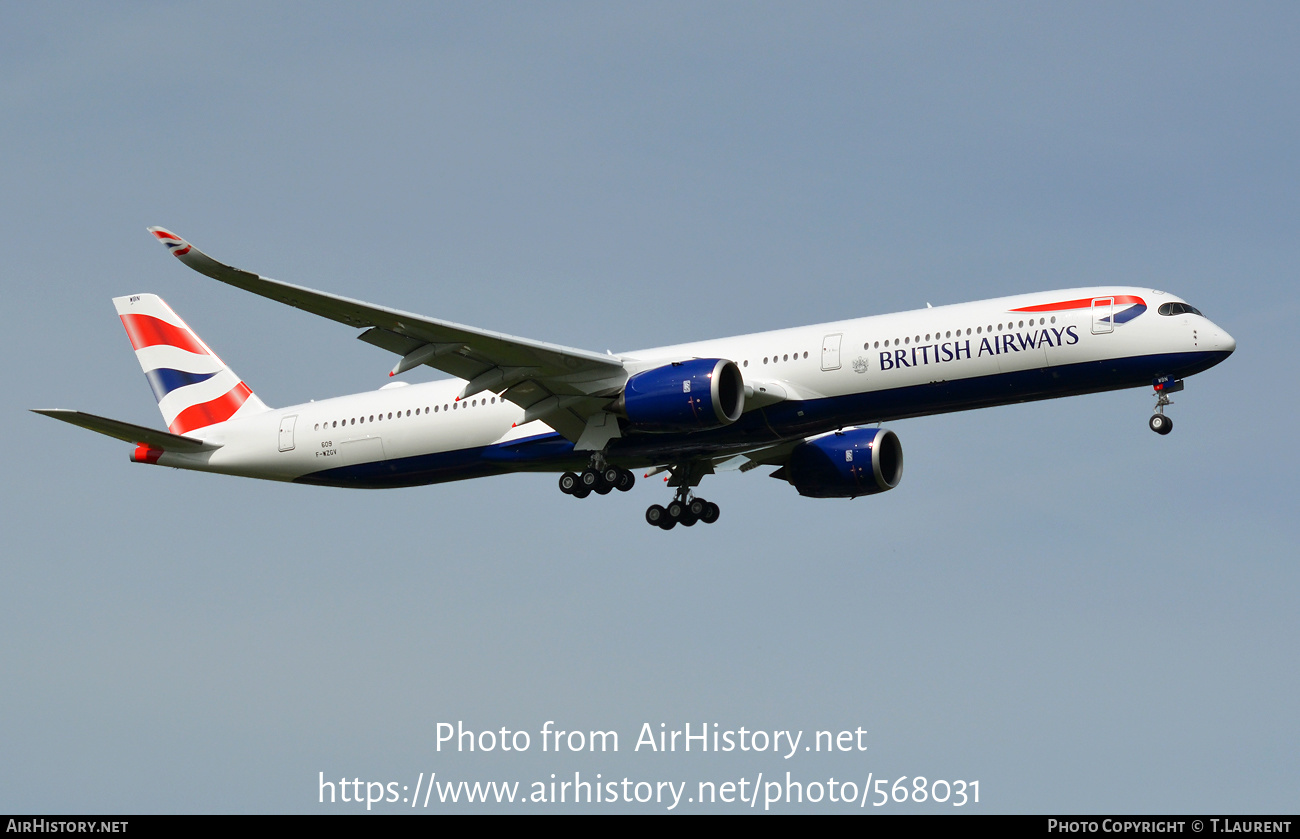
(566,388)
(129,432)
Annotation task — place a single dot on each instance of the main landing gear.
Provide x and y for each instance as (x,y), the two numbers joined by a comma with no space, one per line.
(602,478)
(683,510)
(1165,385)
(600,481)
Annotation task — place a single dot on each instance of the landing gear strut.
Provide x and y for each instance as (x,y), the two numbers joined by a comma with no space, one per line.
(1165,385)
(684,509)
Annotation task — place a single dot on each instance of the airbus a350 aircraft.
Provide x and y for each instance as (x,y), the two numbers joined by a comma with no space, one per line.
(795,399)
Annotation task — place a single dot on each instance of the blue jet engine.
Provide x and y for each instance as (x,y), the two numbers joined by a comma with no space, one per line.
(846,464)
(693,395)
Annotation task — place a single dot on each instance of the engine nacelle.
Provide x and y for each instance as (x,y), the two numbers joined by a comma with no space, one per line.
(693,395)
(861,461)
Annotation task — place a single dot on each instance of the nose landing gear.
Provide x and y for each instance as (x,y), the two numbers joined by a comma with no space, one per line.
(1165,385)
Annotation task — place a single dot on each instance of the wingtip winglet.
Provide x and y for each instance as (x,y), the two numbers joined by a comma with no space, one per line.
(175,244)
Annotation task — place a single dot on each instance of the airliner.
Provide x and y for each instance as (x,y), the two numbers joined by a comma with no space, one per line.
(808,401)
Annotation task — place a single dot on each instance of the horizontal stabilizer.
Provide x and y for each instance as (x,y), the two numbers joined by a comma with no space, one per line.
(127,432)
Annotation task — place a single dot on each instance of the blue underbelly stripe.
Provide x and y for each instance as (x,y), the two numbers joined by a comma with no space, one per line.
(783,421)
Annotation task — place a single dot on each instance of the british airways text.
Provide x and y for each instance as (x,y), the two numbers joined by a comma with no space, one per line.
(923,354)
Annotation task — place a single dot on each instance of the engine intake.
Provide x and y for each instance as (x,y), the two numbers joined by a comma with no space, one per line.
(861,461)
(693,395)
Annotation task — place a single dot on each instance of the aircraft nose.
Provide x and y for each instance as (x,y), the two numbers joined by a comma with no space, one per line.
(1220,340)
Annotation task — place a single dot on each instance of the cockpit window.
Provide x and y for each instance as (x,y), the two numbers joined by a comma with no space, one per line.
(1178,309)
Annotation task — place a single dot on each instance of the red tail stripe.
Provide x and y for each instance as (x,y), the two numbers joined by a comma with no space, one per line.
(144,453)
(210,413)
(149,331)
(1082,303)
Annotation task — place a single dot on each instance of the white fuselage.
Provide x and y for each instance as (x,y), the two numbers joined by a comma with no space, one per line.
(801,381)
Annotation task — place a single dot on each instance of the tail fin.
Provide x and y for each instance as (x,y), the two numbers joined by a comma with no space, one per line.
(194,388)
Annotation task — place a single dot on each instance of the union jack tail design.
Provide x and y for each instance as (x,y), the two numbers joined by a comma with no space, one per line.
(175,244)
(194,388)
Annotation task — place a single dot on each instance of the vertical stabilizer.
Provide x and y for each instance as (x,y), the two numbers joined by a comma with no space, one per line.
(194,388)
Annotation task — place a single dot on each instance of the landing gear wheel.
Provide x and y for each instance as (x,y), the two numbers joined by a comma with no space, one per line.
(612,475)
(625,481)
(568,483)
(581,491)
(1161,424)
(590,479)
(658,517)
(685,509)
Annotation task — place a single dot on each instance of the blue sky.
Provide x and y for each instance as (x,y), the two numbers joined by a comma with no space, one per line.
(1077,613)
